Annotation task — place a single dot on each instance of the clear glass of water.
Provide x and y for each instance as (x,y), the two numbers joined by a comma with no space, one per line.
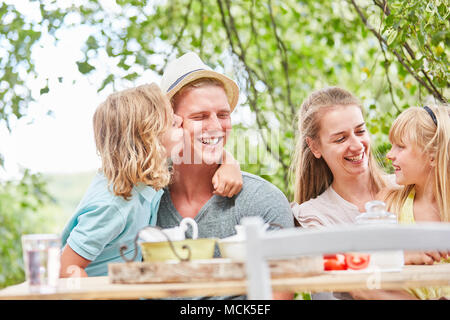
(41,255)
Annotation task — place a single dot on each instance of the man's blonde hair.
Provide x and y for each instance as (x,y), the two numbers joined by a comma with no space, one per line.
(313,176)
(415,126)
(128,128)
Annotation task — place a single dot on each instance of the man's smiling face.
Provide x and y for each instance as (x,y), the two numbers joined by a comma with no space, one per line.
(206,117)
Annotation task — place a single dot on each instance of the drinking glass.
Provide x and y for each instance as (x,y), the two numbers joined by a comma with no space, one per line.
(41,255)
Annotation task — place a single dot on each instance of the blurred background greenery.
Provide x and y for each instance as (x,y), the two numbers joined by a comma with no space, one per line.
(391,54)
(36,204)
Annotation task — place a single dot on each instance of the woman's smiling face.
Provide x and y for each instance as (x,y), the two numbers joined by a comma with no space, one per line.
(343,142)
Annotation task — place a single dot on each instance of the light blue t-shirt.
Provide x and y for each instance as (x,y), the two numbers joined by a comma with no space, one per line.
(103,222)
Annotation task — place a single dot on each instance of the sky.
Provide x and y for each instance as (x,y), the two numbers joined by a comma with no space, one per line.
(63,141)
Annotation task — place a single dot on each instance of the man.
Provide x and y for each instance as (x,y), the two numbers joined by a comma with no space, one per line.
(205,100)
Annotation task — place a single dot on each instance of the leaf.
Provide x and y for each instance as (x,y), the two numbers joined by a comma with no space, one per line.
(366,71)
(44,90)
(439,50)
(392,36)
(105,82)
(85,67)
(131,76)
(417,64)
(91,43)
(399,93)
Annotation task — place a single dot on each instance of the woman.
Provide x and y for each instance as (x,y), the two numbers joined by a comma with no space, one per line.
(334,165)
(335,169)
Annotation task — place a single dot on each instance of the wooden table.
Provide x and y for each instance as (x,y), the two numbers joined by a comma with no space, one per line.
(101,288)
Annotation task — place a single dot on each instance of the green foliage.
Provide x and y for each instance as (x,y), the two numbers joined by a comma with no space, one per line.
(27,207)
(416,35)
(67,191)
(20,202)
(302,296)
(279,51)
(18,35)
(390,54)
(85,67)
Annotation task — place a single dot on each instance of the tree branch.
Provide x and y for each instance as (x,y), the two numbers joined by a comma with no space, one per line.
(383,5)
(386,67)
(179,36)
(284,60)
(261,65)
(431,89)
(405,44)
(260,121)
(202,26)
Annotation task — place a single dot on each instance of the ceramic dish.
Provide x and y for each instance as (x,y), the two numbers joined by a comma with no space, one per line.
(202,248)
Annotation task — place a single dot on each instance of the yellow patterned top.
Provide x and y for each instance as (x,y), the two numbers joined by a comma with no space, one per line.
(407,217)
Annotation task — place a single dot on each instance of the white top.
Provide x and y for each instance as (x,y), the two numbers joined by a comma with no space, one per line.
(328,208)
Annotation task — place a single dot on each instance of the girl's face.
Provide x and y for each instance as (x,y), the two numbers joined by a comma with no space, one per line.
(412,166)
(172,139)
(344,142)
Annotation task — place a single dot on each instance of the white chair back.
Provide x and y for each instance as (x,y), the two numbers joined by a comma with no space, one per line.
(295,242)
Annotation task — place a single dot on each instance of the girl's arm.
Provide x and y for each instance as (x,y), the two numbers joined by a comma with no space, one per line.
(227,181)
(72,264)
(429,257)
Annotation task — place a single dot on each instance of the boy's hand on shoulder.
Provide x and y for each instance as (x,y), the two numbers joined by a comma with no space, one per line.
(227,181)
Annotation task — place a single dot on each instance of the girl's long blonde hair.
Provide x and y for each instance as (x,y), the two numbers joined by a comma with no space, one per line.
(313,176)
(128,128)
(416,126)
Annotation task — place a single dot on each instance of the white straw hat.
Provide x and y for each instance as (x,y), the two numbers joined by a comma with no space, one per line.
(188,68)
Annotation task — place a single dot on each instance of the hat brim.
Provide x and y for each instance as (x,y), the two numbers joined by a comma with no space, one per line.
(231,88)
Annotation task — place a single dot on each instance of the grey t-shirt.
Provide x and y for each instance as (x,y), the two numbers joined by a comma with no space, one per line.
(219,215)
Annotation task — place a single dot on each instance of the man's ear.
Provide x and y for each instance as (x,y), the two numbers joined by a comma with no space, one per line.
(312,144)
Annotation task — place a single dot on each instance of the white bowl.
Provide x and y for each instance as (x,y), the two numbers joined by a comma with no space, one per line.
(234,250)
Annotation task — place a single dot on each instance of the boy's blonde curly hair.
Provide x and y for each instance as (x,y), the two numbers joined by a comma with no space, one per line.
(128,128)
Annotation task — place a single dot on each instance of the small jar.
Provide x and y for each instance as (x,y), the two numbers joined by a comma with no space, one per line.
(376,214)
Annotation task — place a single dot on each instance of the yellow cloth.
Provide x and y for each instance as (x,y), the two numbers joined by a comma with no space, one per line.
(407,217)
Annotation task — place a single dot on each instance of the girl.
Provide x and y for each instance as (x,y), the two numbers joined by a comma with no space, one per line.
(420,153)
(135,131)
